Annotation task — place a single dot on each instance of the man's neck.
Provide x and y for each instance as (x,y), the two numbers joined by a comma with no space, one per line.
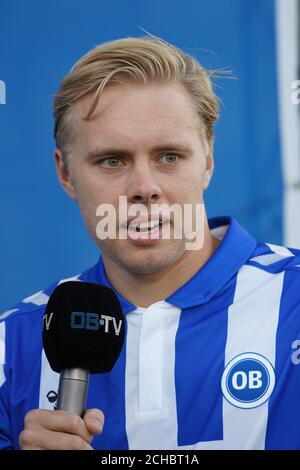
(145,289)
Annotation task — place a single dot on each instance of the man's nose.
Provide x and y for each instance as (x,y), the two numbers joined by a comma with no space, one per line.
(143,186)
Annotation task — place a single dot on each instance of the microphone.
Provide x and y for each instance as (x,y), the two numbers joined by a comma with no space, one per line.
(83,334)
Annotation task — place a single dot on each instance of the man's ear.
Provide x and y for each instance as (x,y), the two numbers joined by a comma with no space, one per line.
(63,174)
(209,164)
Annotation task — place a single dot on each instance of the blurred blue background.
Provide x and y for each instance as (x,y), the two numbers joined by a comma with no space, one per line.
(42,237)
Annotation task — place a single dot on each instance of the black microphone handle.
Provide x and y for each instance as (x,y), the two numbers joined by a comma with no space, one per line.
(72,390)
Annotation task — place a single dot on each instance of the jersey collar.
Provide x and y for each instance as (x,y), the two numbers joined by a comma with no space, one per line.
(232,253)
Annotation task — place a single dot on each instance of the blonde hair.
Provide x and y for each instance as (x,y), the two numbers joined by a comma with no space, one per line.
(144,60)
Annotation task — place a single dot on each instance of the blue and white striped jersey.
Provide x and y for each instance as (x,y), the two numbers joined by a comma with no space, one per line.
(214,366)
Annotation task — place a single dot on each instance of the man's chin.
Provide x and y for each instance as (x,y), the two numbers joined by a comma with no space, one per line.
(149,263)
(137,260)
(144,266)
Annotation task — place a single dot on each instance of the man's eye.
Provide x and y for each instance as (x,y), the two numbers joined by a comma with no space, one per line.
(170,157)
(110,162)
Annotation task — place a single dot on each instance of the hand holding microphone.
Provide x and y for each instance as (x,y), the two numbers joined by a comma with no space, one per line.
(83,333)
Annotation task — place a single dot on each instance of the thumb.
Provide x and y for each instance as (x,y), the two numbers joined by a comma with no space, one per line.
(94,421)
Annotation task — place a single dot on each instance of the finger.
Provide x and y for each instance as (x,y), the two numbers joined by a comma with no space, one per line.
(94,421)
(60,421)
(43,439)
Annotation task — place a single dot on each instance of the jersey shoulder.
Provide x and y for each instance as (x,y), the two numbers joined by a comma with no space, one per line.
(275,259)
(37,302)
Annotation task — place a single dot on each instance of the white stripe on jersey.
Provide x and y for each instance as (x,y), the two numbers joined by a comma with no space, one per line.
(6,314)
(279,253)
(151,414)
(251,316)
(74,278)
(280,250)
(2,353)
(40,298)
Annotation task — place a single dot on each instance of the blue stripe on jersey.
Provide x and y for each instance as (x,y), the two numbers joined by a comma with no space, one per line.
(6,429)
(199,366)
(284,411)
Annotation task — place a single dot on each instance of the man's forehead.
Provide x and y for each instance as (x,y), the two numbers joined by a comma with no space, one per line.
(122,126)
(147,109)
(131,135)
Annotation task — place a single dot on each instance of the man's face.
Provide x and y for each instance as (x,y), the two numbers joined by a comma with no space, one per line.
(142,142)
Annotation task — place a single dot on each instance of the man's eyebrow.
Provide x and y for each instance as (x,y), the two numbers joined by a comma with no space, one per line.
(171,146)
(100,152)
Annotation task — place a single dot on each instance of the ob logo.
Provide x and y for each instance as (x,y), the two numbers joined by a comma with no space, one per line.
(248,380)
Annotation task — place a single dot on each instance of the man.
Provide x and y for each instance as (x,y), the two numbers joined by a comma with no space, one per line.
(212,333)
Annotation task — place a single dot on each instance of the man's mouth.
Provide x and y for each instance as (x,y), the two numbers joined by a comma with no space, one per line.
(148,226)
